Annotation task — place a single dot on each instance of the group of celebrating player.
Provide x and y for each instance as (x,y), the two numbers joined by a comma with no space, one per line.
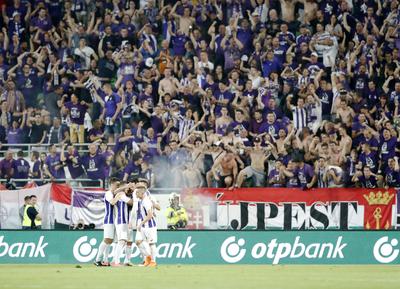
(129,205)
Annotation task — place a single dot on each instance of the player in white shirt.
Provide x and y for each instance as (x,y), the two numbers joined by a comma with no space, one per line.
(121,222)
(111,197)
(128,248)
(146,234)
(156,206)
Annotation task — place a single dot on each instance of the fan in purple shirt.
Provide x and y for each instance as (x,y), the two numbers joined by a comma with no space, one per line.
(292,176)
(94,163)
(42,22)
(368,157)
(286,38)
(222,97)
(271,126)
(127,24)
(178,43)
(21,169)
(270,64)
(6,166)
(108,154)
(127,71)
(256,123)
(366,178)
(392,173)
(369,139)
(152,142)
(17,7)
(305,173)
(112,106)
(111,103)
(126,142)
(77,110)
(133,168)
(273,108)
(15,134)
(147,95)
(28,84)
(275,178)
(244,35)
(387,145)
(54,166)
(239,123)
(371,93)
(304,36)
(72,159)
(96,132)
(314,66)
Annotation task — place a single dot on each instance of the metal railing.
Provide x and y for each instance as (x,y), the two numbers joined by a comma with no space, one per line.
(74,183)
(80,183)
(40,147)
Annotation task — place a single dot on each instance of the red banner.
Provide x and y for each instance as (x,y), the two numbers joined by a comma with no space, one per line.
(290,209)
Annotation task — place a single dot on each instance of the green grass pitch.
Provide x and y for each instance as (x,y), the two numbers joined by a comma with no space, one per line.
(200,277)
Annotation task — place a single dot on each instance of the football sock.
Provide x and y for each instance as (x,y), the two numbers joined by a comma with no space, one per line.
(145,249)
(100,253)
(106,253)
(153,250)
(128,253)
(118,251)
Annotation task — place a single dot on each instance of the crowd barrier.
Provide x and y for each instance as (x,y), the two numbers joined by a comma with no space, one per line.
(74,183)
(28,147)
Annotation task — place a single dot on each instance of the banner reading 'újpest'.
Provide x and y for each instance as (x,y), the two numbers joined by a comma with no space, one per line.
(290,209)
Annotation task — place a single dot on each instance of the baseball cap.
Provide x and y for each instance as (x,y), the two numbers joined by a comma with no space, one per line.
(314,54)
(255,13)
(257,139)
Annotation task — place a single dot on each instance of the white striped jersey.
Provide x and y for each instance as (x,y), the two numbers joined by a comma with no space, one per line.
(321,182)
(122,211)
(143,207)
(299,117)
(184,127)
(109,215)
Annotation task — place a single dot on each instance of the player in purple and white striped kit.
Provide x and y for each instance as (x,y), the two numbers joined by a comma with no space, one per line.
(121,224)
(111,197)
(146,234)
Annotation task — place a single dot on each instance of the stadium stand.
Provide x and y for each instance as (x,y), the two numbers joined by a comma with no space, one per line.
(201,93)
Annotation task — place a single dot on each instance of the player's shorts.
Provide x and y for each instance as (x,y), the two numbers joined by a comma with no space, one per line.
(108,231)
(122,231)
(147,234)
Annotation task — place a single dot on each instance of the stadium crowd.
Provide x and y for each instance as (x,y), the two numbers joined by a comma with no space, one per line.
(218,93)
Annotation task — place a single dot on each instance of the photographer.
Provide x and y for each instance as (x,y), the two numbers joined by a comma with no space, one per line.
(176,214)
